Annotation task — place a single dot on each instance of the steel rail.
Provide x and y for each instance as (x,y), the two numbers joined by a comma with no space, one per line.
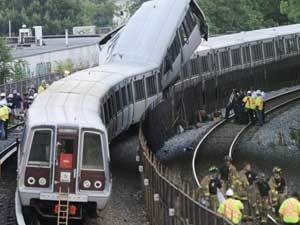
(223,122)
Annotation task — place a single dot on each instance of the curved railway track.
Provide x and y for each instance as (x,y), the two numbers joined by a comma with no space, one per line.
(8,148)
(221,139)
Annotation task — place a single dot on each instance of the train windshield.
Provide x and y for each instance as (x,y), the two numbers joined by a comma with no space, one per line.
(92,157)
(40,148)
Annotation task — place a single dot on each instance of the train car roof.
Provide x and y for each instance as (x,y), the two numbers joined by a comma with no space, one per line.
(248,36)
(149,32)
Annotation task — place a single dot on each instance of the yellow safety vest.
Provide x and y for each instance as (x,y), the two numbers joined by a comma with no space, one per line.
(231,209)
(41,89)
(290,210)
(259,102)
(249,102)
(4,113)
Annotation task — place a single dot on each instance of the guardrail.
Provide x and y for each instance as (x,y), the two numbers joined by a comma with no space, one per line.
(165,203)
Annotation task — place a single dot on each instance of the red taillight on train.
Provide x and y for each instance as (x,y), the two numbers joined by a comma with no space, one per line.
(72,209)
(37,177)
(92,180)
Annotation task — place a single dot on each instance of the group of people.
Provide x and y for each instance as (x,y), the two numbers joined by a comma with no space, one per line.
(13,106)
(247,106)
(250,196)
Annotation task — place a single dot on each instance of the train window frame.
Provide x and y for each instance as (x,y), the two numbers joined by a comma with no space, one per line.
(291,45)
(130,93)
(159,80)
(257,53)
(151,86)
(119,105)
(190,20)
(183,34)
(236,57)
(110,107)
(225,59)
(246,54)
(124,96)
(280,50)
(40,163)
(82,151)
(106,112)
(204,63)
(139,90)
(269,50)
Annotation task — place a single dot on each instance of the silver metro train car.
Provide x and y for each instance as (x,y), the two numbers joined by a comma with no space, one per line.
(65,148)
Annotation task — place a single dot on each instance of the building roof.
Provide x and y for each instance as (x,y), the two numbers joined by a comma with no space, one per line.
(53,44)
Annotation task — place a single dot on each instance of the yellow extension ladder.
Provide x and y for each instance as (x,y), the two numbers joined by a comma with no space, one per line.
(63,208)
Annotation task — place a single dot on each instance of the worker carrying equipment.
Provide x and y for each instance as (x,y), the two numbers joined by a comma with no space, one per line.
(290,210)
(231,208)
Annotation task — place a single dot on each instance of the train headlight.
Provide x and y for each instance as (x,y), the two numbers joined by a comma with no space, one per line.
(98,184)
(42,181)
(86,184)
(31,180)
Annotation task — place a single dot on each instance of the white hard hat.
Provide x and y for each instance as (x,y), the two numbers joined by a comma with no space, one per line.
(249,92)
(229,192)
(10,96)
(2,94)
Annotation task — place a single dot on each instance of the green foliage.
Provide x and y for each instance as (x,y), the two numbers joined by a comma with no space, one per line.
(55,15)
(18,69)
(240,15)
(291,8)
(5,59)
(62,66)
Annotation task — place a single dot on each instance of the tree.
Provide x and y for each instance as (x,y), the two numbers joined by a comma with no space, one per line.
(291,8)
(5,59)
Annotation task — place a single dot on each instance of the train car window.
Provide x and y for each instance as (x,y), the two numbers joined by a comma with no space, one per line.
(92,156)
(257,52)
(139,90)
(151,86)
(280,47)
(124,97)
(114,105)
(246,54)
(186,27)
(204,63)
(236,57)
(118,100)
(40,148)
(110,107)
(129,90)
(106,113)
(183,34)
(269,50)
(159,77)
(174,49)
(190,20)
(194,66)
(225,61)
(291,45)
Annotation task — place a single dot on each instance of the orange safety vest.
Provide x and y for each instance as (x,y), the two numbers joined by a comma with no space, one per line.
(290,210)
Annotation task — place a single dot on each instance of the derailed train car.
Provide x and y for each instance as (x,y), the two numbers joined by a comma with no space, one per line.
(64,154)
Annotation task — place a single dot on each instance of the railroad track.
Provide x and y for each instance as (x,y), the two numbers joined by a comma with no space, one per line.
(8,148)
(221,139)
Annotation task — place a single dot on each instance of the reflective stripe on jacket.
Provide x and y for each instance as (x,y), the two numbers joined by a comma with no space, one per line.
(249,102)
(290,210)
(231,209)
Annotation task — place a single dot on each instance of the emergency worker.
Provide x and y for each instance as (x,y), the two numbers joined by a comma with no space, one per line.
(231,208)
(213,186)
(4,117)
(263,199)
(228,172)
(259,103)
(290,210)
(278,188)
(231,102)
(249,104)
(42,87)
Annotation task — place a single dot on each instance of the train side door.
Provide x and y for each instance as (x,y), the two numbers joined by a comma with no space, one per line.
(66,160)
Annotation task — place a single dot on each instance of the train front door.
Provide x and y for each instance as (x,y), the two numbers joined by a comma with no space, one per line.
(66,160)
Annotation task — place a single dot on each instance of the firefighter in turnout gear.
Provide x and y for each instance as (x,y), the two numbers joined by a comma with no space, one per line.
(207,193)
(228,172)
(278,188)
